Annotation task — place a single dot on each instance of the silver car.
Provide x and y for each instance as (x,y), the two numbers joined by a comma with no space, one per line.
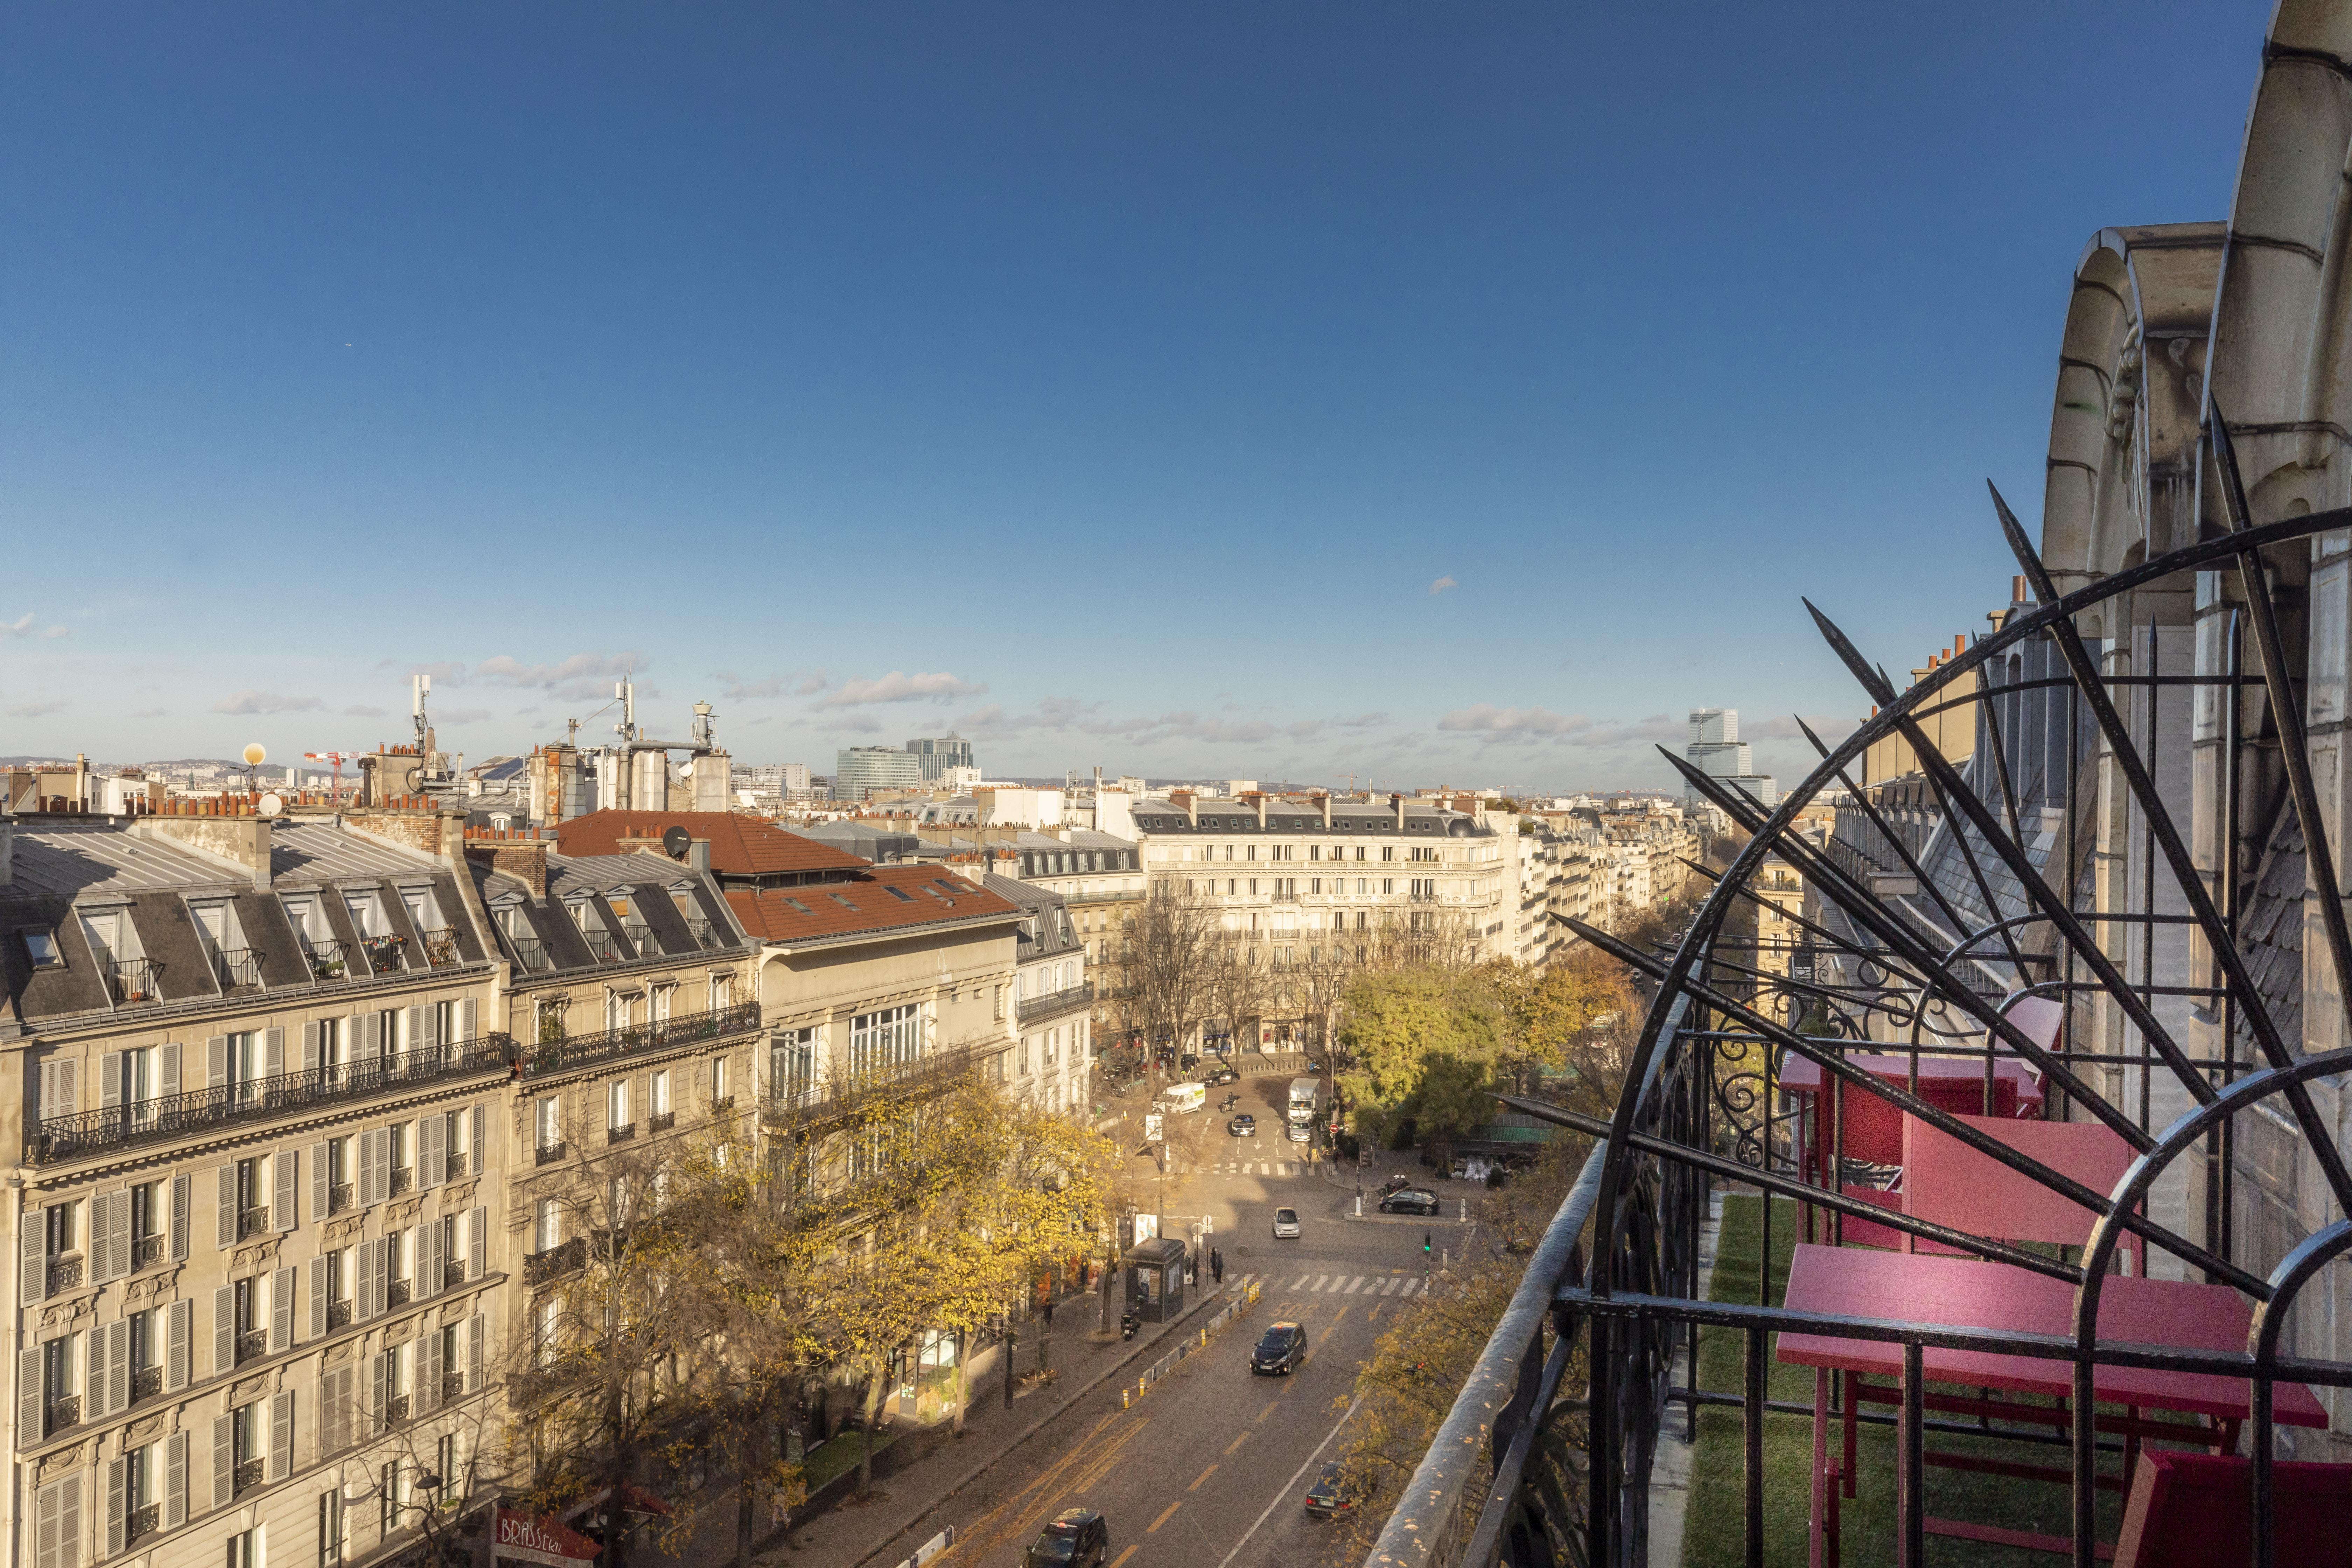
(1286,1224)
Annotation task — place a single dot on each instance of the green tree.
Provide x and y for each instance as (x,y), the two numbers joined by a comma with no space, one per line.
(1424,1044)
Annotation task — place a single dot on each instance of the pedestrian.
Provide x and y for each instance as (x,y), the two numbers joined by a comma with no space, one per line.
(1217,1265)
(1049,1315)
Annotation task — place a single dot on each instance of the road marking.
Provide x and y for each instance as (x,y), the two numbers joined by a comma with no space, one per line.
(1372,1315)
(1355,1285)
(1293,1481)
(1336,1316)
(1329,1332)
(1318,1286)
(1240,1441)
(1123,1556)
(1410,1285)
(1203,1476)
(1270,1407)
(1390,1287)
(1153,1527)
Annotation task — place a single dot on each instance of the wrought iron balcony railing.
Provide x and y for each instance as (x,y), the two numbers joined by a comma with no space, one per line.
(565,1257)
(60,1415)
(252,1344)
(452,1275)
(441,948)
(725,1102)
(402,1179)
(704,932)
(396,1295)
(453,1386)
(146,1383)
(529,953)
(662,1034)
(1066,999)
(620,1134)
(52,1139)
(328,959)
(338,1314)
(133,980)
(338,1197)
(547,1153)
(65,1273)
(661,1121)
(605,946)
(238,968)
(146,1251)
(142,1522)
(396,1410)
(251,1223)
(382,953)
(247,1476)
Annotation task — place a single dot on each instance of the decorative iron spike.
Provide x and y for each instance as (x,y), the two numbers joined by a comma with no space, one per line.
(1875,682)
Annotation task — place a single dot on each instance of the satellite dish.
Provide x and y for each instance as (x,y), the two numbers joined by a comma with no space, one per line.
(270,803)
(676,840)
(685,770)
(254,755)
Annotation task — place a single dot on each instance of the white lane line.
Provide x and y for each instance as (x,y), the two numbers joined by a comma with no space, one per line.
(1353,1286)
(1390,1287)
(1285,1489)
(1318,1286)
(1410,1285)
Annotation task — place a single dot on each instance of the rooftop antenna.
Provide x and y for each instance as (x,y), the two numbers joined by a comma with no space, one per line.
(419,687)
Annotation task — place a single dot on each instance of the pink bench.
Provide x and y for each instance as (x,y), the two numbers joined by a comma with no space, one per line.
(2195,1511)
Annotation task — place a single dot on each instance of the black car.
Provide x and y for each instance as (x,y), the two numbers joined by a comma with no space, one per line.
(1242,1126)
(1410,1200)
(1282,1350)
(1329,1494)
(1077,1537)
(1221,1075)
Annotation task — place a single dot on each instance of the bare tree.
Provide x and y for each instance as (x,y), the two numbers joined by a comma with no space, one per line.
(1165,966)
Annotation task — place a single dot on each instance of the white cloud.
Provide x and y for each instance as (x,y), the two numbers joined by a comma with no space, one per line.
(574,679)
(36,710)
(251,702)
(1443,583)
(938,686)
(814,683)
(23,626)
(1362,721)
(734,689)
(447,672)
(1485,718)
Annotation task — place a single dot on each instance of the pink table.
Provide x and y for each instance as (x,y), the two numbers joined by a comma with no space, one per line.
(1966,1293)
(1874,1128)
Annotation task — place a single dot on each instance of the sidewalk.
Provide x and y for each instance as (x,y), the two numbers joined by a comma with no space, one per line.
(939,1467)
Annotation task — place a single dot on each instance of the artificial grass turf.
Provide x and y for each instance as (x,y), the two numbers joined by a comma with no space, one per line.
(1712,1531)
(837,1454)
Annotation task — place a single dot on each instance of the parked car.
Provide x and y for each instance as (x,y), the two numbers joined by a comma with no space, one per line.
(1395,1183)
(1076,1537)
(1286,1224)
(1410,1200)
(1221,1075)
(1281,1351)
(1330,1494)
(1242,1126)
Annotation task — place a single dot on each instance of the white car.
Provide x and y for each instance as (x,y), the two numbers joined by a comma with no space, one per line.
(1286,1224)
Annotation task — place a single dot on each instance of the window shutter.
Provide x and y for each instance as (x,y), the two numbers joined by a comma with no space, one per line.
(223,1331)
(477,1231)
(180,1202)
(70,1519)
(216,1061)
(224,1461)
(476,1120)
(334,1411)
(281,1435)
(29,1397)
(466,1014)
(318,1297)
(118,1366)
(225,1212)
(67,1080)
(372,1278)
(379,1390)
(478,1329)
(433,1041)
(109,1080)
(375,1166)
(179,1328)
(432,1144)
(115,1509)
(430,1261)
(32,1256)
(428,1369)
(281,1310)
(370,1036)
(310,1048)
(45,1527)
(320,1198)
(175,1480)
(167,1070)
(273,1053)
(415,1040)
(285,1170)
(109,1236)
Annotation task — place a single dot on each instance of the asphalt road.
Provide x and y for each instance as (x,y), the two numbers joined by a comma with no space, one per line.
(1211,1466)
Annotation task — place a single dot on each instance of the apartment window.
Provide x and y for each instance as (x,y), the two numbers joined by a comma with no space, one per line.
(1360,925)
(719,1080)
(1387,885)
(1025,1040)
(1229,851)
(387,1505)
(396,1145)
(1253,882)
(547,1329)
(1229,887)
(1315,851)
(722,992)
(547,1226)
(1249,852)
(1053,1046)
(387,1032)
(791,1060)
(547,1123)
(885,1038)
(616,1010)
(616,1101)
(660,1106)
(245,1549)
(57,1370)
(331,1528)
(1388,851)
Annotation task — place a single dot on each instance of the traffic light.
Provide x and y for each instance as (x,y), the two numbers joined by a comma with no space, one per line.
(1425,1244)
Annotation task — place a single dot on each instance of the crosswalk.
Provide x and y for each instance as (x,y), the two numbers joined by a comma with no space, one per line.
(1258,1168)
(1331,1284)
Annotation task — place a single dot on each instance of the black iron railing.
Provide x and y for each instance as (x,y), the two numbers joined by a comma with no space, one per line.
(328,959)
(146,1251)
(725,1102)
(395,1409)
(396,1295)
(453,1166)
(547,1153)
(338,1314)
(621,1134)
(402,1179)
(529,953)
(52,1139)
(252,1344)
(661,1121)
(251,1223)
(237,968)
(1033,1008)
(247,1476)
(453,1386)
(565,1257)
(65,1274)
(441,948)
(452,1275)
(58,1414)
(146,1383)
(133,980)
(660,1035)
(382,953)
(605,946)
(144,1521)
(338,1197)
(704,932)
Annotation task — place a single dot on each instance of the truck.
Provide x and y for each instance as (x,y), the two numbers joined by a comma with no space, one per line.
(1181,1098)
(1306,1097)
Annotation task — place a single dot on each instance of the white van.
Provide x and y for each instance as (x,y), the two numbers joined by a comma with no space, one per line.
(1181,1098)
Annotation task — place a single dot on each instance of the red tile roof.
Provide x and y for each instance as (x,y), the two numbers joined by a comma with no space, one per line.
(739,845)
(887,899)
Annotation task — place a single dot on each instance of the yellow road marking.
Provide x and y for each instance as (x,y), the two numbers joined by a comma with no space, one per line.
(1268,1410)
(1236,1443)
(1123,1556)
(1153,1527)
(1099,1463)
(1326,1333)
(1203,1476)
(1338,1315)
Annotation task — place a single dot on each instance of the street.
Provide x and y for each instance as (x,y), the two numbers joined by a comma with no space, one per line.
(1211,1464)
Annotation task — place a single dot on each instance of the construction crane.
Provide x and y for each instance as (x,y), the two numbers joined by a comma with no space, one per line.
(337,759)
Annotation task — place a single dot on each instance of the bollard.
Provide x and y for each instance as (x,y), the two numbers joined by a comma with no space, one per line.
(1444,1258)
(1360,1206)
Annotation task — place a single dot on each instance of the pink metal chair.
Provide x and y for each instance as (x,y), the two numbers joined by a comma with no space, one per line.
(1950,1184)
(2195,1511)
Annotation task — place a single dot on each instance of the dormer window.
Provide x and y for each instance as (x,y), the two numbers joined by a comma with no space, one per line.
(41,947)
(235,966)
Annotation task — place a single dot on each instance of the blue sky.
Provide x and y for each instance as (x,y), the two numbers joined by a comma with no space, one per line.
(1426,394)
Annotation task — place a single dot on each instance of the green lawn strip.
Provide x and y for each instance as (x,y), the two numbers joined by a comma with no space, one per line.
(830,1459)
(1712,1534)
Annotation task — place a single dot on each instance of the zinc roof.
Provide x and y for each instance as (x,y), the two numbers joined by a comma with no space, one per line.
(320,852)
(95,858)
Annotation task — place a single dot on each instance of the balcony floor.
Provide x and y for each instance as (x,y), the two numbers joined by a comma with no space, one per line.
(1711,1529)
